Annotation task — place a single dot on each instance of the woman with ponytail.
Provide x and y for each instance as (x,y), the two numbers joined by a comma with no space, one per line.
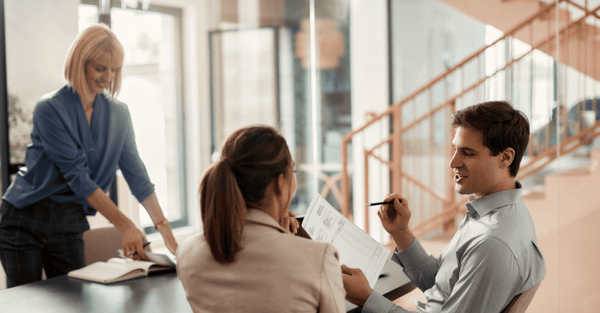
(248,259)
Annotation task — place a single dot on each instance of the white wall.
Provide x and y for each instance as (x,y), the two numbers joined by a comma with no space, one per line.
(369,68)
(38,36)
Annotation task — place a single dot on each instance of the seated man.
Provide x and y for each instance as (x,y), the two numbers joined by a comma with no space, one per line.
(494,255)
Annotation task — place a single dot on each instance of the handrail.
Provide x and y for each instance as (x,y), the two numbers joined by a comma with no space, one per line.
(443,217)
(551,153)
(452,207)
(451,70)
(427,189)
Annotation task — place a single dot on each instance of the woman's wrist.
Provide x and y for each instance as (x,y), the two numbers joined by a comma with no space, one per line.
(163,224)
(124,225)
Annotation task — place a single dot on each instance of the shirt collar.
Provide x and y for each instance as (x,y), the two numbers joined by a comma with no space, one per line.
(74,96)
(486,204)
(259,217)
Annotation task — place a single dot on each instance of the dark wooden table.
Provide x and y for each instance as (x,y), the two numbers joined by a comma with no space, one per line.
(157,293)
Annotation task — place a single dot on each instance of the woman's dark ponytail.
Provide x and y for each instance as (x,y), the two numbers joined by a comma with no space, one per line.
(223,211)
(251,159)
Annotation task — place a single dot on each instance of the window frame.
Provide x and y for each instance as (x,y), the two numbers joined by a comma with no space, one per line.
(177,14)
(216,127)
(5,165)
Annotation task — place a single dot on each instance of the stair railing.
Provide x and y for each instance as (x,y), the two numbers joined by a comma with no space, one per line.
(415,119)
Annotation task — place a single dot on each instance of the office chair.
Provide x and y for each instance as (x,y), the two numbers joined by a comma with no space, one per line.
(102,244)
(520,302)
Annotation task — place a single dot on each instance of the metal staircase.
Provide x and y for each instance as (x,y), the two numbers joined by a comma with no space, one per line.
(415,154)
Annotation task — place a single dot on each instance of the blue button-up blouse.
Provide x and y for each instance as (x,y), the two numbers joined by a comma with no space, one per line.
(69,159)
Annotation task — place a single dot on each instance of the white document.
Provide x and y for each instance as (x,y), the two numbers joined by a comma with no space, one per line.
(356,248)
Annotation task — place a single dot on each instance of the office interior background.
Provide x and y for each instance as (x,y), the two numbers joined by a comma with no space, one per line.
(363,92)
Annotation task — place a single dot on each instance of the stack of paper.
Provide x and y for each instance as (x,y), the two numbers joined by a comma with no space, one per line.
(356,248)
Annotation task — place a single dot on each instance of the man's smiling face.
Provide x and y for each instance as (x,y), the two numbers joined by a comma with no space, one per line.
(476,171)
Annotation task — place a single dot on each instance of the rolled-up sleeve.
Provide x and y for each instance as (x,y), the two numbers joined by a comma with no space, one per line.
(131,164)
(332,287)
(62,148)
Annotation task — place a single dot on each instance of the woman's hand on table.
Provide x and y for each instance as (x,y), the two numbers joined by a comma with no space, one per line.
(133,243)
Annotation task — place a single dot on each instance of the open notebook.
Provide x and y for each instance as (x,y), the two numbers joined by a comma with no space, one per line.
(118,269)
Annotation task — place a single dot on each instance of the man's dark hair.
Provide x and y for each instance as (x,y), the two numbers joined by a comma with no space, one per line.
(501,126)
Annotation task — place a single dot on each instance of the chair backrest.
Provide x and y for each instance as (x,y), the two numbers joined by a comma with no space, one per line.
(520,302)
(102,244)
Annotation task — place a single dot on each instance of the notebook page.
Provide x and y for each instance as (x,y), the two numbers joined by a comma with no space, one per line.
(356,248)
(101,271)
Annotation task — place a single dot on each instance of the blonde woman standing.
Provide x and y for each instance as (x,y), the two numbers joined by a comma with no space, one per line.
(81,134)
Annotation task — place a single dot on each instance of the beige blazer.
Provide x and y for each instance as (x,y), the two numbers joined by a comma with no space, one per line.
(274,272)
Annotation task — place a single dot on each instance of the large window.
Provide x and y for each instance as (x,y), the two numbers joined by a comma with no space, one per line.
(152,89)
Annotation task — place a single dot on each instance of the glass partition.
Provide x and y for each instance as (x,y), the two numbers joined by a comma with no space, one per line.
(545,63)
(572,280)
(285,64)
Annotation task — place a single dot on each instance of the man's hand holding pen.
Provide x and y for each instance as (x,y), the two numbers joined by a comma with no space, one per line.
(391,213)
(394,218)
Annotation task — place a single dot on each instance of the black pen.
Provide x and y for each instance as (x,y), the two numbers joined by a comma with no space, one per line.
(143,247)
(380,203)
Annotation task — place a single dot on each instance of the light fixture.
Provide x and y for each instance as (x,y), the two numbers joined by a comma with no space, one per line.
(330,43)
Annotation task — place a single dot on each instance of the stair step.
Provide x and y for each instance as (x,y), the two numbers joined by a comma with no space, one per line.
(445,237)
(577,171)
(539,191)
(535,192)
(563,14)
(433,247)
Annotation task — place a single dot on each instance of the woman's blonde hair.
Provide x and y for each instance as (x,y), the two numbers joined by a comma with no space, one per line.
(92,43)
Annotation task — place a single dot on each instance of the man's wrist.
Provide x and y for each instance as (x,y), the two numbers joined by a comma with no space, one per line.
(377,303)
(363,298)
(403,238)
